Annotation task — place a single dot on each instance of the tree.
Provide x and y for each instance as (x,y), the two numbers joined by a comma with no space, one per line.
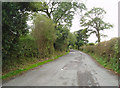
(14,21)
(72,40)
(62,17)
(93,22)
(13,25)
(60,12)
(81,38)
(62,41)
(65,12)
(44,34)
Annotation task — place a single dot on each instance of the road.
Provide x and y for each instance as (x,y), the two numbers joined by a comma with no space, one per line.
(73,69)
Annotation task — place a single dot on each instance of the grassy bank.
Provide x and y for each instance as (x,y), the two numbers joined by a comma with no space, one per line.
(28,66)
(105,53)
(111,65)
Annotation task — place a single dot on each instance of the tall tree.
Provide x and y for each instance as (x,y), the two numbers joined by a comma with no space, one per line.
(13,25)
(72,40)
(93,22)
(81,38)
(45,35)
(60,12)
(62,41)
(65,12)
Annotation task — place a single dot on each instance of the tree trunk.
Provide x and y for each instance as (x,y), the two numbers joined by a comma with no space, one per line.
(98,36)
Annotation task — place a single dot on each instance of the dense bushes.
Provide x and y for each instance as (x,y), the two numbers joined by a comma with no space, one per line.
(62,40)
(91,44)
(14,26)
(107,51)
(44,34)
(106,48)
(27,51)
(28,47)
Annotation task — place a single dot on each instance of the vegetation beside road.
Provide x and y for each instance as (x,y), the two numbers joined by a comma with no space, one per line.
(106,53)
(24,44)
(28,66)
(35,31)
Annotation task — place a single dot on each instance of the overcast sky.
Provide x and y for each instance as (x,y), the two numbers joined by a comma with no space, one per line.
(111,7)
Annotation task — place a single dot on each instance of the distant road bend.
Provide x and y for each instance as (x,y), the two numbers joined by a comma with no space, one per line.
(73,69)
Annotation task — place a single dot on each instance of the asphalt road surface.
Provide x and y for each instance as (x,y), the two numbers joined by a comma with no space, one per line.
(73,69)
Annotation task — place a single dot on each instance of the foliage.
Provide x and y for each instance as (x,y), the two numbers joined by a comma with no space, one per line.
(28,47)
(20,47)
(18,44)
(60,12)
(14,17)
(111,65)
(72,40)
(64,13)
(13,25)
(27,50)
(107,53)
(91,44)
(44,34)
(30,66)
(62,41)
(105,49)
(93,22)
(81,38)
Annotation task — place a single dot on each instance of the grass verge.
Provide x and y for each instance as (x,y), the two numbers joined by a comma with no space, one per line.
(110,65)
(26,68)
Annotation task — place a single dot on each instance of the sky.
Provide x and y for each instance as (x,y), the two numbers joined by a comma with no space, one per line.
(111,7)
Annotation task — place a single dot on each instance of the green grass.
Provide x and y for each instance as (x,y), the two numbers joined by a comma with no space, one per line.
(16,72)
(111,65)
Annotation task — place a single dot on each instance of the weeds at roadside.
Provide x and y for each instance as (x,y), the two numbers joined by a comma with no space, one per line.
(28,67)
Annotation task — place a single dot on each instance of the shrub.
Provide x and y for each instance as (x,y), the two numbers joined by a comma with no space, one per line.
(27,50)
(108,50)
(88,49)
(44,34)
(28,47)
(91,44)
